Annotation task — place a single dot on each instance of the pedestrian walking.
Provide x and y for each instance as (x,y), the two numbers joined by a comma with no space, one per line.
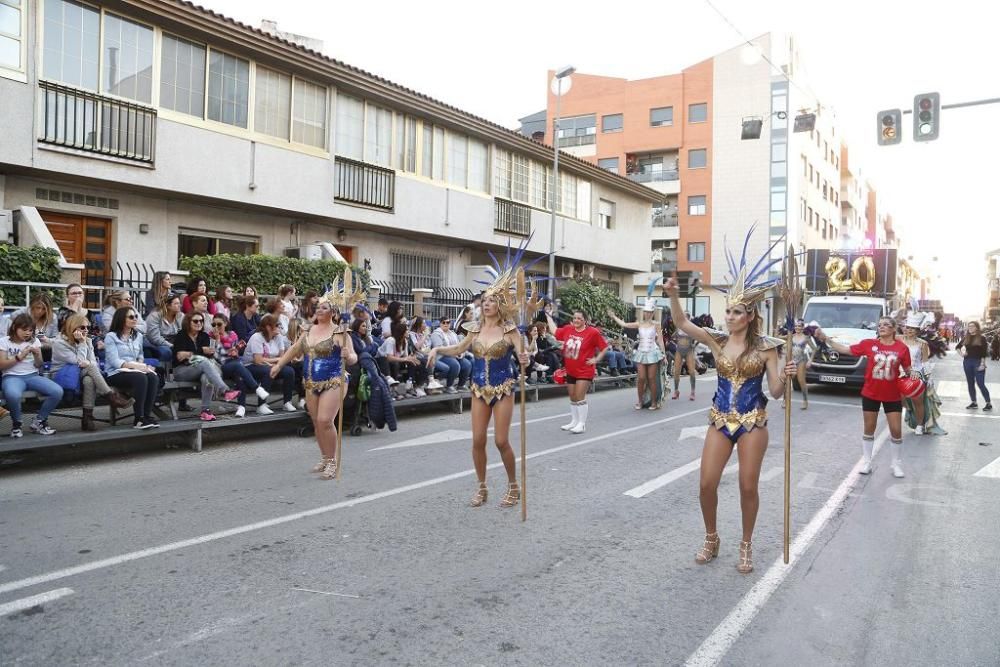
(974,350)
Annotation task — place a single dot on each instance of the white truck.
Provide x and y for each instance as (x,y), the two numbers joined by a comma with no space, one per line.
(847,319)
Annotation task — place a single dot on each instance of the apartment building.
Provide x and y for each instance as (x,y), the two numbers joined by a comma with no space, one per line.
(144,130)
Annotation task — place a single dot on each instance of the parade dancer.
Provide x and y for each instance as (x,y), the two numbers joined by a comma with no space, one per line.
(648,355)
(495,344)
(580,343)
(738,416)
(886,357)
(921,412)
(803,348)
(326,352)
(684,354)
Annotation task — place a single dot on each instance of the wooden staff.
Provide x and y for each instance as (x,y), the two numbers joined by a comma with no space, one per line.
(340,433)
(524,452)
(791,293)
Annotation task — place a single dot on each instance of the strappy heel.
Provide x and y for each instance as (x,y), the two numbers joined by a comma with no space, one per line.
(710,550)
(329,469)
(513,495)
(319,466)
(745,564)
(481,494)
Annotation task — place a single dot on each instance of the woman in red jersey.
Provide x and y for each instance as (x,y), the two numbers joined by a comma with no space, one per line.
(886,357)
(583,348)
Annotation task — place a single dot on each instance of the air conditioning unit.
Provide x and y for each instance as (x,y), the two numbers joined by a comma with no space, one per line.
(311,251)
(566,270)
(6,226)
(588,271)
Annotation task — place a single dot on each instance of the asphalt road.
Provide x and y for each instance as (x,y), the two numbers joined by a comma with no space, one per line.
(238,555)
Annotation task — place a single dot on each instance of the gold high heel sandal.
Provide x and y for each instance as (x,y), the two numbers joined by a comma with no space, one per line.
(319,466)
(329,469)
(481,494)
(745,566)
(709,550)
(513,495)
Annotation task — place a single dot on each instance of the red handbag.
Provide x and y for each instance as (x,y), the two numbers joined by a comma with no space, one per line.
(559,376)
(910,387)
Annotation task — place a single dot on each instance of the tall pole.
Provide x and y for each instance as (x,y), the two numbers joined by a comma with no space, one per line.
(555,186)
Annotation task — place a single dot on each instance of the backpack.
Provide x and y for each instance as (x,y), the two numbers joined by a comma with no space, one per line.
(364,387)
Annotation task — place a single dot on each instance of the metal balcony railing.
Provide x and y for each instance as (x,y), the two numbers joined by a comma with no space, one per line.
(577,140)
(363,183)
(665,218)
(96,123)
(512,218)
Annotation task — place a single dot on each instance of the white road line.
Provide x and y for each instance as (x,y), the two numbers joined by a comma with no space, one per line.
(970,414)
(989,470)
(663,480)
(717,644)
(33,601)
(451,435)
(277,521)
(959,388)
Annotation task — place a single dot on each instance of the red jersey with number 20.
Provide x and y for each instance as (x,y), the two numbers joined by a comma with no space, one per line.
(882,371)
(578,346)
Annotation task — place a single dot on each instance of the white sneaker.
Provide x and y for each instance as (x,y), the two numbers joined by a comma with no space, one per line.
(434,384)
(419,391)
(391,381)
(289,407)
(262,393)
(450,390)
(541,368)
(241,411)
(568,427)
(579,428)
(897,470)
(920,430)
(302,404)
(264,409)
(866,468)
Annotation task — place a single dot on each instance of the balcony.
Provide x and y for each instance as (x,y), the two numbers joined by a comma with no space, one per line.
(512,218)
(654,176)
(577,140)
(97,124)
(364,184)
(665,217)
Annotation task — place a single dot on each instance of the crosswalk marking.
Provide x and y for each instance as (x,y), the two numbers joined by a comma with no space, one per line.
(960,389)
(990,470)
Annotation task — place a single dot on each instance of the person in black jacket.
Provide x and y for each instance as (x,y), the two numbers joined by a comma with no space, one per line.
(194,361)
(381,410)
(974,364)
(247,322)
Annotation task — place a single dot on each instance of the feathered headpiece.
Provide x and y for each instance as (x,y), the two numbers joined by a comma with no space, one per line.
(650,305)
(749,283)
(510,287)
(346,294)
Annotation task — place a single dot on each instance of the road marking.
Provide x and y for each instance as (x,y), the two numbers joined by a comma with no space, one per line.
(34,601)
(989,470)
(277,521)
(663,480)
(450,435)
(970,414)
(693,432)
(716,645)
(958,388)
(808,481)
(900,493)
(339,595)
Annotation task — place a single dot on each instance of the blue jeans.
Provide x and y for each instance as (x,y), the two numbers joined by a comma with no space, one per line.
(454,369)
(14,387)
(618,360)
(262,373)
(975,377)
(233,369)
(162,352)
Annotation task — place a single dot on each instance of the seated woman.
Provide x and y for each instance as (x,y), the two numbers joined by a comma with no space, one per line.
(74,348)
(196,287)
(228,350)
(455,369)
(159,291)
(43,318)
(75,306)
(162,327)
(262,352)
(194,361)
(20,361)
(402,362)
(121,299)
(126,366)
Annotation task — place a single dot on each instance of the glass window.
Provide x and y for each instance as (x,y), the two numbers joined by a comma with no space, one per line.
(309,114)
(612,123)
(438,154)
(519,178)
(272,103)
(427,150)
(661,117)
(606,219)
(697,205)
(697,113)
(72,37)
(192,243)
(697,158)
(378,135)
(350,127)
(128,59)
(578,130)
(10,34)
(568,202)
(609,164)
(539,182)
(583,203)
(778,151)
(182,76)
(696,252)
(228,89)
(458,159)
(502,169)
(479,166)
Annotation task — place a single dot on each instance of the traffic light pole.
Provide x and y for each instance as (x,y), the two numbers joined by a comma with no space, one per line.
(959,105)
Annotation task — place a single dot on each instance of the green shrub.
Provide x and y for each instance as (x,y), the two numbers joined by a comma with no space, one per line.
(267,273)
(33,264)
(594,300)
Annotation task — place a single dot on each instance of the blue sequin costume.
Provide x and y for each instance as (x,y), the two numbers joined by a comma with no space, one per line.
(739,404)
(322,365)
(494,369)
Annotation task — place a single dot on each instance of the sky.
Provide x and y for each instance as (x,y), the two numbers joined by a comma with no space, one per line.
(861,57)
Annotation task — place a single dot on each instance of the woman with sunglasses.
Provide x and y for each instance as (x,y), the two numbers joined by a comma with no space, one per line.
(228,350)
(262,353)
(194,361)
(887,358)
(74,348)
(126,366)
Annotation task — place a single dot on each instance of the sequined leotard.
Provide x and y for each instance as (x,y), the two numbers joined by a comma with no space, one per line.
(322,364)
(739,404)
(493,369)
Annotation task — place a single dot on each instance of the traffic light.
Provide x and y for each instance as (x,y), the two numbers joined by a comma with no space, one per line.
(926,116)
(889,122)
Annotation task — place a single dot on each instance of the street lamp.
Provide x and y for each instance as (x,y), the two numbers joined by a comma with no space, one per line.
(560,75)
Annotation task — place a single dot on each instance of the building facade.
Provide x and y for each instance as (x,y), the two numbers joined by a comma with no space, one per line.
(145,130)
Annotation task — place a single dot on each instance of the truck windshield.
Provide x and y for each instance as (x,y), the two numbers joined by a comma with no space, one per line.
(844,315)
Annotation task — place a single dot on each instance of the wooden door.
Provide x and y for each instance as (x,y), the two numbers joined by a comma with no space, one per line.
(346,251)
(87,241)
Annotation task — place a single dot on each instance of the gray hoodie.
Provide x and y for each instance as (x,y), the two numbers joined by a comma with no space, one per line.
(441,339)
(158,329)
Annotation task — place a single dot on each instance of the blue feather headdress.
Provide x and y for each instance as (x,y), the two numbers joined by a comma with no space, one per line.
(748,283)
(510,287)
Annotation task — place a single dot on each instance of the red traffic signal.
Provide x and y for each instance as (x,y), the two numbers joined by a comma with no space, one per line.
(926,117)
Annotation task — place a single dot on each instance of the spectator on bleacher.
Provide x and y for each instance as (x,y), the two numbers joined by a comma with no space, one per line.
(127,369)
(276,307)
(403,363)
(365,342)
(296,328)
(229,352)
(548,350)
(381,312)
(159,290)
(420,343)
(536,366)
(200,304)
(21,361)
(4,318)
(196,287)
(618,361)
(224,301)
(286,294)
(393,315)
(194,361)
(116,300)
(262,352)
(466,316)
(74,348)
(39,309)
(75,306)
(307,311)
(162,327)
(455,369)
(247,322)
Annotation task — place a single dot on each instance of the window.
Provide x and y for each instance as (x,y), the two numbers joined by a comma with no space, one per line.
(809,216)
(309,115)
(520,176)
(128,59)
(427,150)
(458,159)
(539,185)
(696,252)
(583,201)
(697,113)
(272,103)
(661,117)
(350,127)
(697,205)
(378,135)
(778,152)
(182,76)
(578,130)
(479,166)
(606,215)
(228,89)
(416,270)
(697,158)
(406,144)
(194,243)
(612,123)
(567,205)
(72,35)
(438,166)
(609,164)
(11,15)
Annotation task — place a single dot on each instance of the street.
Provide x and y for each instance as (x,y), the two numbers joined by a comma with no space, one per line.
(238,555)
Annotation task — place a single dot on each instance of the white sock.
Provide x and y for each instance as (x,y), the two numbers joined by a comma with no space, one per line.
(896,447)
(581,412)
(867,447)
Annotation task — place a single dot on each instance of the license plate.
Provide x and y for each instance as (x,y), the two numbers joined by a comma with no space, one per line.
(839,379)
